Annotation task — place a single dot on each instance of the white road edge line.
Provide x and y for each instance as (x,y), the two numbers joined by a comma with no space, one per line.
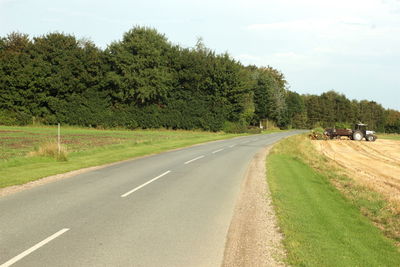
(189,161)
(216,151)
(35,247)
(143,185)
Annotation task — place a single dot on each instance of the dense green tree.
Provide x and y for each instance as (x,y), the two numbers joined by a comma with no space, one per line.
(16,90)
(139,69)
(331,109)
(392,123)
(314,110)
(270,95)
(296,110)
(41,77)
(373,114)
(145,81)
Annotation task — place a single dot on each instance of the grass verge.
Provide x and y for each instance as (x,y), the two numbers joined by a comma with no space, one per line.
(86,148)
(389,136)
(322,225)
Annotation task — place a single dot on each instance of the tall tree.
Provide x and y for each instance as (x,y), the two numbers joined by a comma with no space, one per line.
(139,69)
(16,75)
(297,114)
(270,95)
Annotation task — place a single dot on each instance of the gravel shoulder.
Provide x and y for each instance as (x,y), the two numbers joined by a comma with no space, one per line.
(254,238)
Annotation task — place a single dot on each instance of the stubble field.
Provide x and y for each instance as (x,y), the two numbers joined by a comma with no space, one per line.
(375,165)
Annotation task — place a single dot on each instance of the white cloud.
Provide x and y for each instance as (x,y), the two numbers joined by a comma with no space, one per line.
(248,59)
(294,25)
(288,60)
(352,35)
(3,2)
(314,25)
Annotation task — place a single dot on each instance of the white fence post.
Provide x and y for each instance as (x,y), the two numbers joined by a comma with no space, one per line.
(59,139)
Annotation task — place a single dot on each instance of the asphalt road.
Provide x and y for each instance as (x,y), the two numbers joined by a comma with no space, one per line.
(171,209)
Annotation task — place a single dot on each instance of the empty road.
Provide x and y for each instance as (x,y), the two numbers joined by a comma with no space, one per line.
(170,209)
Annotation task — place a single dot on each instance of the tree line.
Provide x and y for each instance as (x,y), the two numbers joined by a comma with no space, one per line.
(145,81)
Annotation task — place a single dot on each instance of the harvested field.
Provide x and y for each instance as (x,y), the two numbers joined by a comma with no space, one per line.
(375,165)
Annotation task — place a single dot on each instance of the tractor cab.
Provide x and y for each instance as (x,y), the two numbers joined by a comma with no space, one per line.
(361,127)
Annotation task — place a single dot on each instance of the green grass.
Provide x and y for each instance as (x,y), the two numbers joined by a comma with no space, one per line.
(87,147)
(321,226)
(389,136)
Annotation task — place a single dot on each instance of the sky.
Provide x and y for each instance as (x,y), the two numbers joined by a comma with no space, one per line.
(350,46)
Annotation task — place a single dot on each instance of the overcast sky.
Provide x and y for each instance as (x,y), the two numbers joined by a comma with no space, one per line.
(350,46)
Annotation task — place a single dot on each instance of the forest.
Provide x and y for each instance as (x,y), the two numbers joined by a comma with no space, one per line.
(145,81)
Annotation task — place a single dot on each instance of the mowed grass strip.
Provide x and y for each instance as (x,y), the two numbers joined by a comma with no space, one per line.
(389,136)
(87,148)
(320,226)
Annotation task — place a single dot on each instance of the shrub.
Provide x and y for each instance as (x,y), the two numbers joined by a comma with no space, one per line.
(10,118)
(6,118)
(234,127)
(342,125)
(253,130)
(319,130)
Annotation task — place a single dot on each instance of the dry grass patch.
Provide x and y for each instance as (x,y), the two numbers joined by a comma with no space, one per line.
(51,149)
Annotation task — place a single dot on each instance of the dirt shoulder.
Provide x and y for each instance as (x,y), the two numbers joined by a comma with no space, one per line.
(375,165)
(253,237)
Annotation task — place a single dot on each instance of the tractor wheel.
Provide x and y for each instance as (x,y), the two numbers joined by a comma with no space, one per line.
(357,135)
(370,138)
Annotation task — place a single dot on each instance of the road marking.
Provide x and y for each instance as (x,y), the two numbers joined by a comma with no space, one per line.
(189,161)
(245,142)
(216,151)
(35,247)
(143,185)
(232,145)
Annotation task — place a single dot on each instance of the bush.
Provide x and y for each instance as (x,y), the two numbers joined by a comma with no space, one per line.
(319,130)
(342,125)
(234,127)
(253,130)
(6,118)
(10,118)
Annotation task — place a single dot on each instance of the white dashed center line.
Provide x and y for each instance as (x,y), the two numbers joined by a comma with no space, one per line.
(35,247)
(216,151)
(189,161)
(143,185)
